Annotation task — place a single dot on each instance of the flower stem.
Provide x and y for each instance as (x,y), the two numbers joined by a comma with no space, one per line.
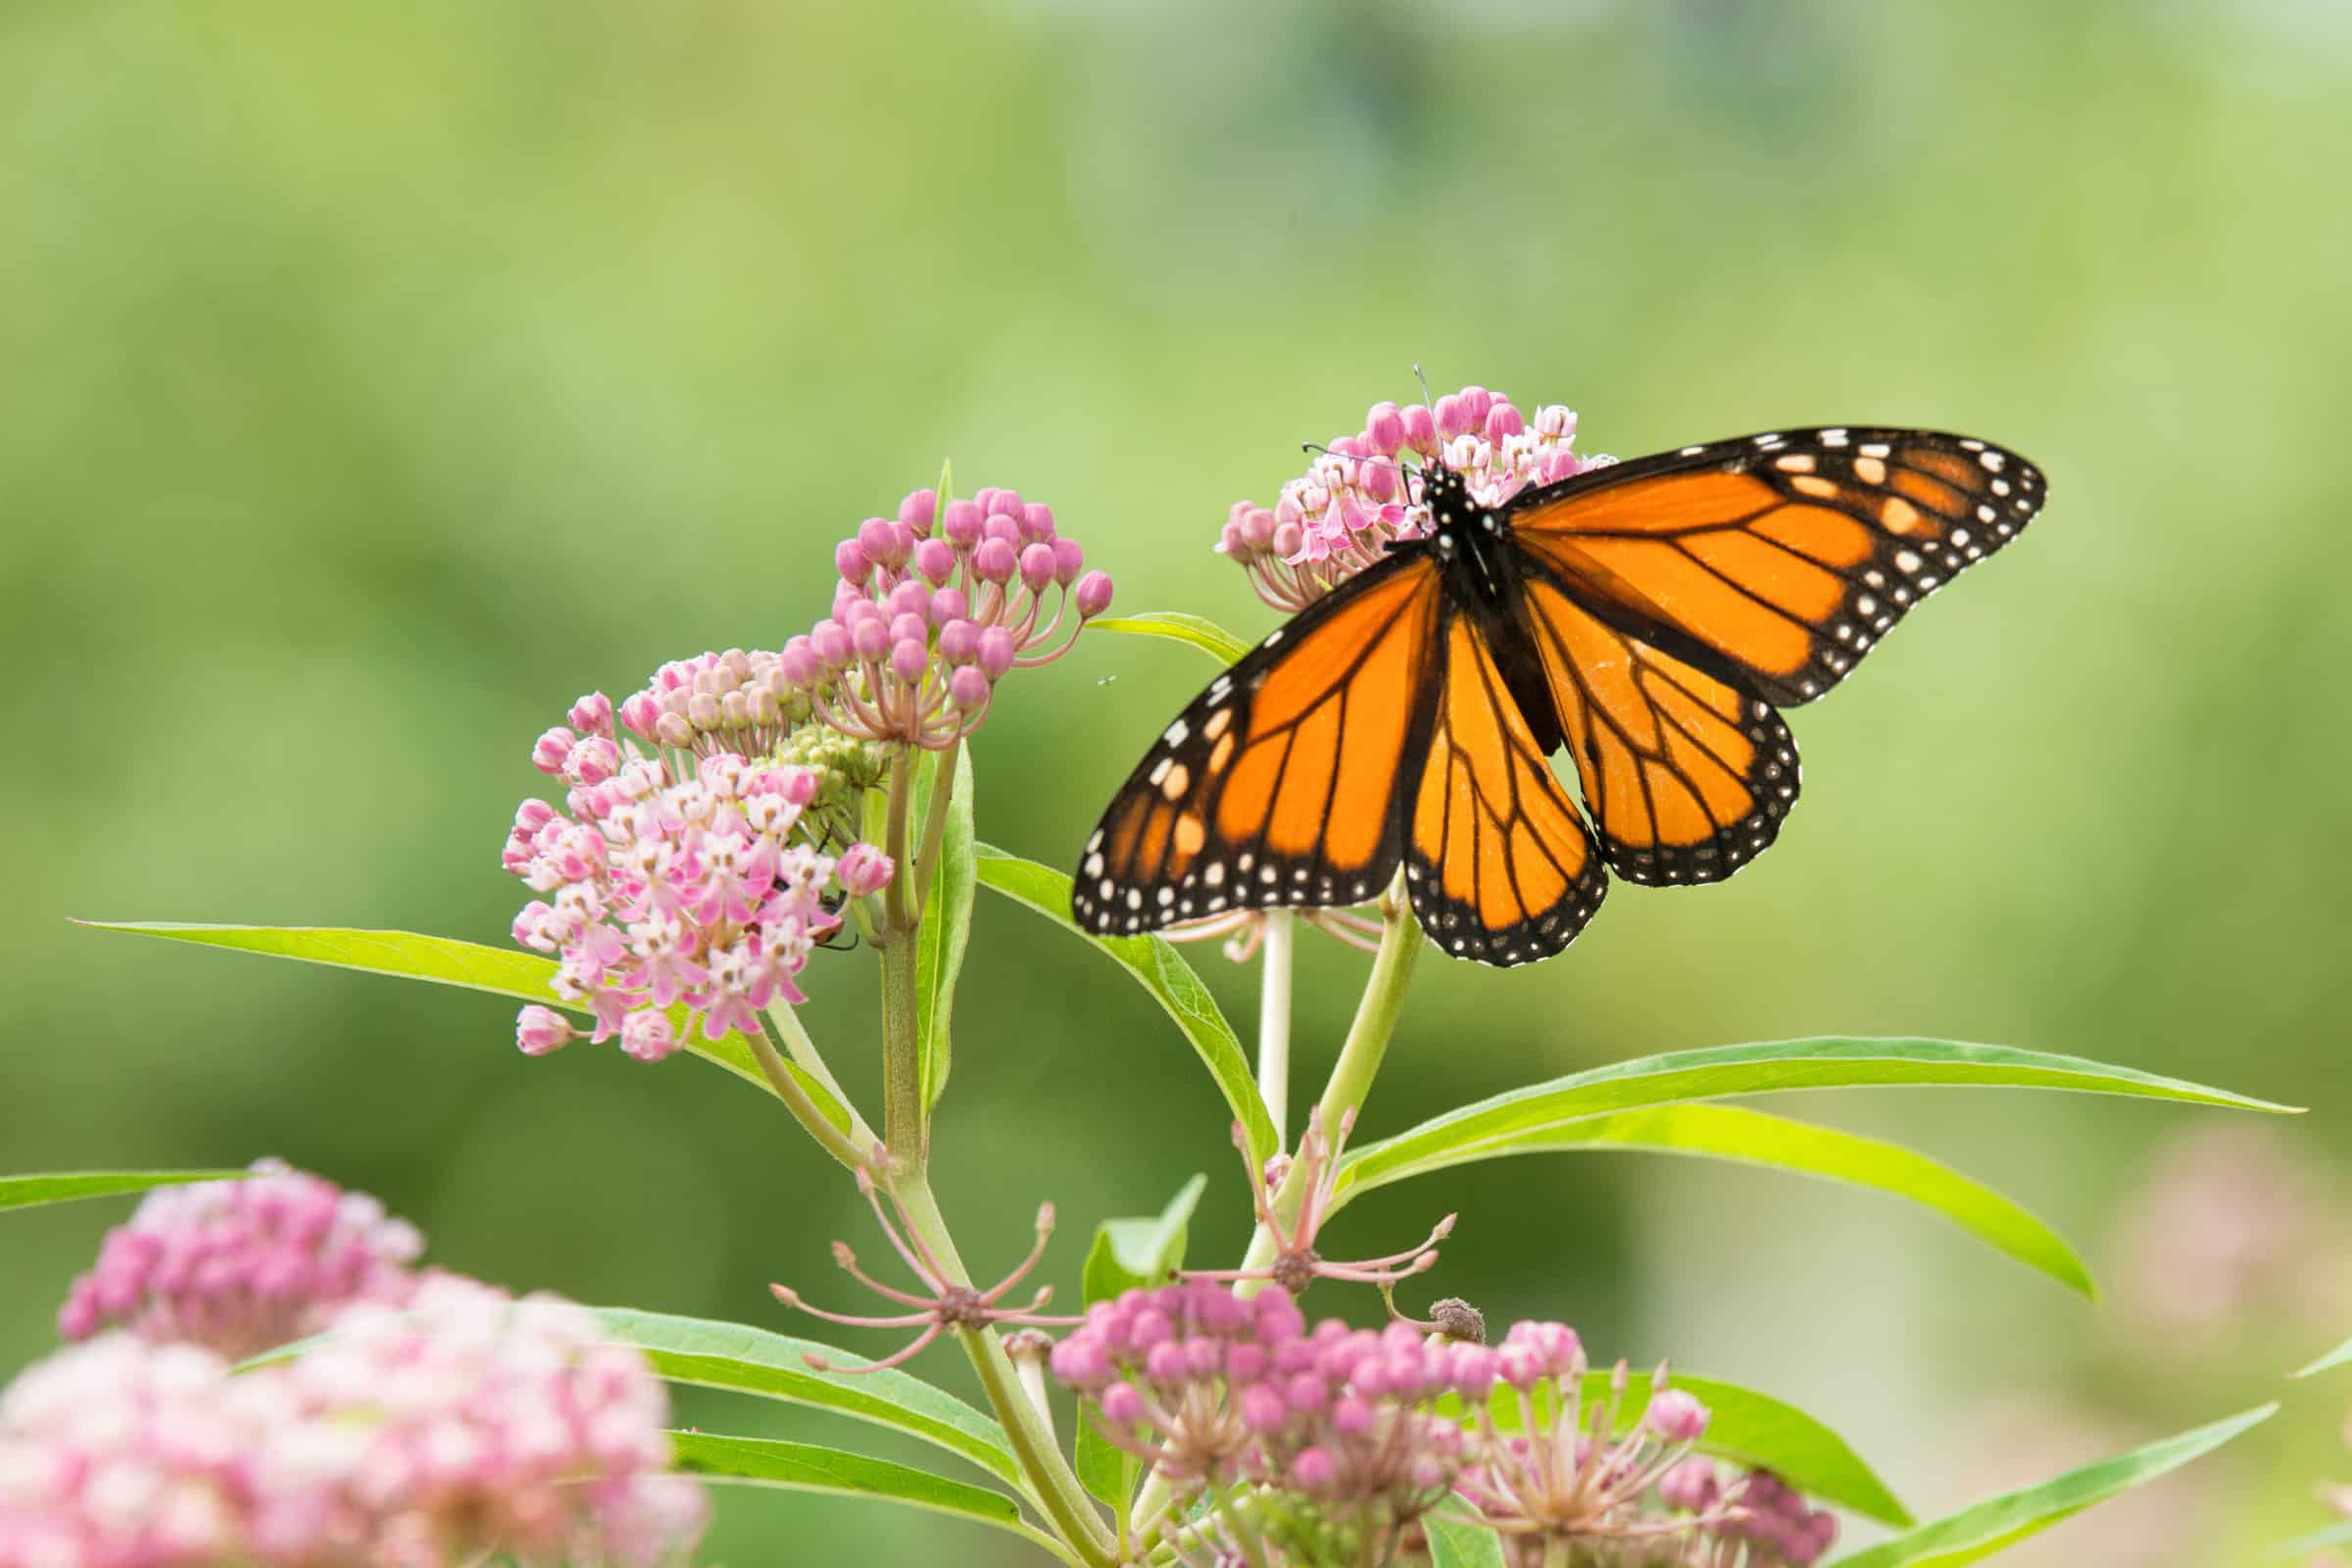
(1054,1484)
(902,1056)
(903,912)
(805,1108)
(786,1020)
(1274,1024)
(935,828)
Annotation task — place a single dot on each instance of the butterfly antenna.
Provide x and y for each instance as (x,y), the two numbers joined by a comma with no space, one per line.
(1427,401)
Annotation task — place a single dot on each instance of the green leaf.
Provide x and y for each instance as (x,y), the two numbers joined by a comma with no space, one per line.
(743,1359)
(1206,635)
(1755,1137)
(1826,1063)
(806,1467)
(1160,970)
(1747,1428)
(66,1187)
(2333,1359)
(1126,1253)
(1457,1542)
(2318,1541)
(946,922)
(446,961)
(1978,1532)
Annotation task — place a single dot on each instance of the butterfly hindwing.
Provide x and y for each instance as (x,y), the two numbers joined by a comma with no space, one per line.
(1686,776)
(1287,779)
(1500,865)
(1777,560)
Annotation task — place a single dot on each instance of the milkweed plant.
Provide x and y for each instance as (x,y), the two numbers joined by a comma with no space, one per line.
(260,1369)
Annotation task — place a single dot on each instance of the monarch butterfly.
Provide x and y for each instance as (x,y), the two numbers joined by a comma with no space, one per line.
(1651,615)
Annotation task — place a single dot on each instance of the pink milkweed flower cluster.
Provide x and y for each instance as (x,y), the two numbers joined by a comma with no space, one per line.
(1758,1520)
(1216,1391)
(1335,519)
(467,1426)
(934,606)
(674,879)
(238,1266)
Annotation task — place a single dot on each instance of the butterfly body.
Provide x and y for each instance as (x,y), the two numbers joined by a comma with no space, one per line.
(1649,617)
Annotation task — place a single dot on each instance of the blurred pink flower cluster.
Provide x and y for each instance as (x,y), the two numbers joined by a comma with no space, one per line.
(1335,519)
(674,880)
(238,1266)
(439,1422)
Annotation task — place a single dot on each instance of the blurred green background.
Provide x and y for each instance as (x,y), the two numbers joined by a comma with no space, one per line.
(379,379)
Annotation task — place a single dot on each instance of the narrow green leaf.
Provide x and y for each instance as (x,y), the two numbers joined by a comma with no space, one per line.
(946,922)
(2333,1359)
(446,961)
(743,1359)
(1746,1428)
(1160,970)
(1126,1253)
(806,1467)
(1757,1137)
(2318,1541)
(1978,1532)
(1827,1063)
(1455,1543)
(66,1186)
(1206,635)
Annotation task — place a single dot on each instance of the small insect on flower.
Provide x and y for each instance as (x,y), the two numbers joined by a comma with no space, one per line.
(1460,618)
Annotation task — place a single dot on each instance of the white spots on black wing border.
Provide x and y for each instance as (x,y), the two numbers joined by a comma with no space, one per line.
(1455,930)
(1773,781)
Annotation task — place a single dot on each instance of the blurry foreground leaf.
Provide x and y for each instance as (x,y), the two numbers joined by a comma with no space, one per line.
(946,921)
(1978,1532)
(1206,635)
(66,1186)
(806,1467)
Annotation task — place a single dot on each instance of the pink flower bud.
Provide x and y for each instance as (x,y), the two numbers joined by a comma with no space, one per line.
(539,1030)
(533,816)
(1475,401)
(648,1036)
(1289,539)
(917,511)
(864,870)
(1315,1470)
(962,526)
(935,559)
(1037,522)
(1420,429)
(960,642)
(638,714)
(1036,566)
(996,651)
(909,599)
(673,729)
(1001,503)
(1451,419)
(1094,594)
(592,714)
(552,750)
(871,638)
(1230,541)
(1121,1404)
(995,562)
(910,628)
(1262,1409)
(852,563)
(1068,560)
(798,662)
(885,541)
(831,643)
(1384,428)
(1002,525)
(967,689)
(1689,1485)
(1674,1416)
(909,659)
(1502,423)
(948,604)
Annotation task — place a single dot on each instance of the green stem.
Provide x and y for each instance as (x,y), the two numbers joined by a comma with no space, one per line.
(902,1056)
(1274,1022)
(805,1110)
(903,912)
(805,1055)
(1054,1484)
(935,824)
(1359,1060)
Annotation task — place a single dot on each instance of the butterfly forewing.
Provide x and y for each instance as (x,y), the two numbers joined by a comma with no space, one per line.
(1777,560)
(1285,781)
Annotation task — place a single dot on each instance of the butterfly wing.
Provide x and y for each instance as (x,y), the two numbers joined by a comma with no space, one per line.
(1289,779)
(1500,864)
(1774,561)
(1687,776)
